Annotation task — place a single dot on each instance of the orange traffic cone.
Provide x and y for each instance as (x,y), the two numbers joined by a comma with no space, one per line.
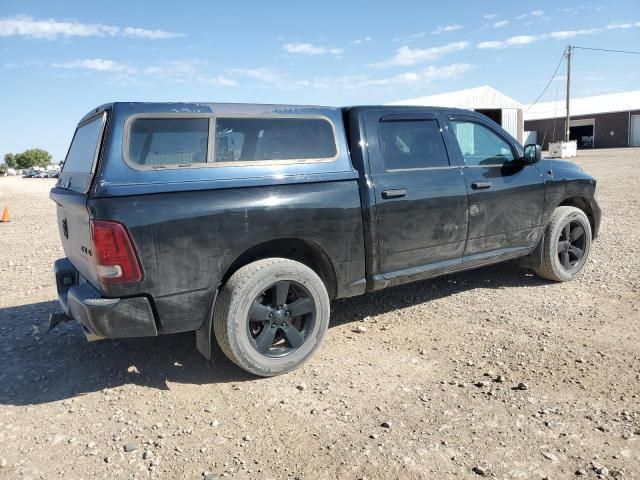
(5,215)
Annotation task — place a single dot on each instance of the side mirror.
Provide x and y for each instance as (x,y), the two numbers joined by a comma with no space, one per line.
(532,153)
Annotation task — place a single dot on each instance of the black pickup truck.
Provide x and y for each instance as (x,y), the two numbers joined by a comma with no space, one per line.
(242,222)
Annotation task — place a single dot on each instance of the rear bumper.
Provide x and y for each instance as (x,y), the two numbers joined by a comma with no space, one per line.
(101,317)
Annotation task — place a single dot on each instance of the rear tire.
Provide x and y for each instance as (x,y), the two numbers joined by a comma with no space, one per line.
(271,316)
(566,245)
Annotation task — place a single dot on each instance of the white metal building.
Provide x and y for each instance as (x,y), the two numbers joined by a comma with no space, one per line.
(601,121)
(499,107)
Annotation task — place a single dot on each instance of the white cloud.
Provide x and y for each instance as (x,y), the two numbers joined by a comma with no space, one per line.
(410,38)
(410,56)
(518,40)
(275,79)
(621,26)
(420,77)
(581,9)
(97,64)
(559,35)
(534,13)
(178,71)
(491,44)
(187,72)
(359,41)
(153,70)
(148,34)
(563,35)
(432,73)
(51,28)
(310,49)
(264,74)
(521,40)
(446,28)
(500,23)
(489,16)
(27,64)
(221,80)
(177,68)
(272,77)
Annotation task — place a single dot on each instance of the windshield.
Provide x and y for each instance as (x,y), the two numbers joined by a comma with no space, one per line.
(79,165)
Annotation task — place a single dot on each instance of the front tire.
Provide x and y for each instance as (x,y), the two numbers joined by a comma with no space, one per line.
(271,316)
(566,245)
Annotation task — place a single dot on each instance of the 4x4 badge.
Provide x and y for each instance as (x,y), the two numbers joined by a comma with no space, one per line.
(65,228)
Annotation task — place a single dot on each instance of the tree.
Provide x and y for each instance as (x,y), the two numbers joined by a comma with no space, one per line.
(32,158)
(10,160)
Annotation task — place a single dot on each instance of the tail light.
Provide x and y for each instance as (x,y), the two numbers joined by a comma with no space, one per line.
(113,252)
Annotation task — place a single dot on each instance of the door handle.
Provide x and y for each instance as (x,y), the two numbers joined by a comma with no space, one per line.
(395,193)
(481,185)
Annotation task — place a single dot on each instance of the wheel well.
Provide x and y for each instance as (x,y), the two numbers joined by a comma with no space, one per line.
(303,251)
(582,204)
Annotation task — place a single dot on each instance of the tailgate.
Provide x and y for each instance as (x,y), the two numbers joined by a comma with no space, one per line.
(71,191)
(75,231)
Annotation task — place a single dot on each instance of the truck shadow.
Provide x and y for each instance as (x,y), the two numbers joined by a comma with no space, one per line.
(39,367)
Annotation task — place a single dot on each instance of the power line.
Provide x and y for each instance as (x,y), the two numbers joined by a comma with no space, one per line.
(630,52)
(548,83)
(564,54)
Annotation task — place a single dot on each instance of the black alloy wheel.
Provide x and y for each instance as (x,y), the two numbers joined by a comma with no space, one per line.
(281,319)
(571,244)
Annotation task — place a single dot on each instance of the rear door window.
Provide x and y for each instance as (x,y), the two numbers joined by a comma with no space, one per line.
(273,139)
(79,164)
(158,142)
(411,144)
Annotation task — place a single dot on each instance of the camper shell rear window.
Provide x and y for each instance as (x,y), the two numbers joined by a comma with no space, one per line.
(159,141)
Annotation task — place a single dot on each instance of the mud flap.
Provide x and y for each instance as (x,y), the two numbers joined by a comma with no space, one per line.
(204,335)
(534,259)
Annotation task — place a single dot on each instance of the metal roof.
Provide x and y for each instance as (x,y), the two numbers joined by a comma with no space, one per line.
(613,102)
(472,98)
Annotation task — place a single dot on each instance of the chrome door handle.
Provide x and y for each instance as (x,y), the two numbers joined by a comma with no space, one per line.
(395,193)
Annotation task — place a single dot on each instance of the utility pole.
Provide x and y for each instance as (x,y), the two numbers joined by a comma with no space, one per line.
(569,48)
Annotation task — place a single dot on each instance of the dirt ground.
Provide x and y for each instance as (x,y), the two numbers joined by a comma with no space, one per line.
(427,390)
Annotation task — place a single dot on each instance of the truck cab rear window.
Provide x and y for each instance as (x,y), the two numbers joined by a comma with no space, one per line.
(157,142)
(272,139)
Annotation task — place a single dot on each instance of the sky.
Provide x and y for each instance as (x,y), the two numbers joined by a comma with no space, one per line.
(58,60)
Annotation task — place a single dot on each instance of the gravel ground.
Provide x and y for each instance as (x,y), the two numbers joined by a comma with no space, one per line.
(491,373)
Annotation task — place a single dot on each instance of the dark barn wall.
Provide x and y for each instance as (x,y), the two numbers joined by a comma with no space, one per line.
(544,130)
(605,123)
(618,123)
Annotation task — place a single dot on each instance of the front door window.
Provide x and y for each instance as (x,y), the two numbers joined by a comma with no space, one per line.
(480,146)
